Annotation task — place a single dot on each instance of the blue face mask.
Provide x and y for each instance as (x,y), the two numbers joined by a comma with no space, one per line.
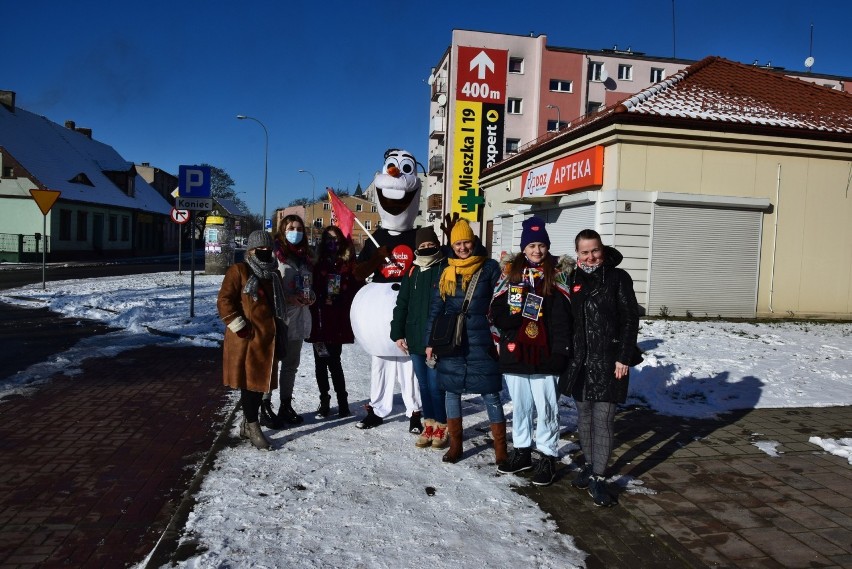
(294,237)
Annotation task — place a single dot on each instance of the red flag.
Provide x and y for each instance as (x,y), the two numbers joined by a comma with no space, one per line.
(342,216)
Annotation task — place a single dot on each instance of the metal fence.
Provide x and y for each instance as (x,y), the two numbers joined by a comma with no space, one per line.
(18,243)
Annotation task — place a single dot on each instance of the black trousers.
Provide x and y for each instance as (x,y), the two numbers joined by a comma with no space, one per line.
(330,363)
(251,404)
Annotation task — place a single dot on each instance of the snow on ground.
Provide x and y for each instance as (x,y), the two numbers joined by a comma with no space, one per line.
(331,495)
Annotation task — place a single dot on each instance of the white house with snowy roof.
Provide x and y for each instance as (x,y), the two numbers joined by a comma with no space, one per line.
(105,208)
(726,188)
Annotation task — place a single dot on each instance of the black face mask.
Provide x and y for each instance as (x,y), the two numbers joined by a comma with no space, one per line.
(263,255)
(427,252)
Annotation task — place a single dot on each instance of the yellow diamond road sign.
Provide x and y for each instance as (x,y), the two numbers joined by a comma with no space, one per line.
(45,199)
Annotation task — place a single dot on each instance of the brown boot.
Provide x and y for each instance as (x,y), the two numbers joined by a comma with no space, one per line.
(498,433)
(454,427)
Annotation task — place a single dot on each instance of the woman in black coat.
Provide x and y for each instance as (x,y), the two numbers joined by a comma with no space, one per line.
(606,323)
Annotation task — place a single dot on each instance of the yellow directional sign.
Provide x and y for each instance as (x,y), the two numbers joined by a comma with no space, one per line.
(45,199)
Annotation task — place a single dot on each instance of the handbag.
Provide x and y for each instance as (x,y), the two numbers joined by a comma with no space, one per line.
(448,330)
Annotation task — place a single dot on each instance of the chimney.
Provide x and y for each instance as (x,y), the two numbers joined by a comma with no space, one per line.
(84,131)
(70,124)
(7,99)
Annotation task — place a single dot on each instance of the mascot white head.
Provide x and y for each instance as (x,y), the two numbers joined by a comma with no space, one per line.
(398,190)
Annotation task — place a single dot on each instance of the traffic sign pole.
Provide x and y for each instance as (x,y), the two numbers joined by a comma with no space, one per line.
(192,219)
(44,252)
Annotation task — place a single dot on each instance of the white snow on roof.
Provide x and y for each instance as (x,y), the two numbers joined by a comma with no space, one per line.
(55,155)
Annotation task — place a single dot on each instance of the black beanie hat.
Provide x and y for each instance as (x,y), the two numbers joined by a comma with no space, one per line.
(425,234)
(534,232)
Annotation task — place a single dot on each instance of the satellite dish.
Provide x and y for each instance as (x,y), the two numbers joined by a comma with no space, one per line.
(604,74)
(809,62)
(442,100)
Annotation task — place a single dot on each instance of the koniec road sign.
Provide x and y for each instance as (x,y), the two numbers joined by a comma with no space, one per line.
(195,204)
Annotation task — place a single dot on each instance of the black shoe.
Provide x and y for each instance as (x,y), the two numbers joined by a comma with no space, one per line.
(599,493)
(583,476)
(370,421)
(545,471)
(268,418)
(415,425)
(323,411)
(287,415)
(519,459)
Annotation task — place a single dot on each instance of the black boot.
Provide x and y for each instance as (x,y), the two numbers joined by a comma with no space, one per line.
(287,414)
(268,418)
(343,406)
(323,411)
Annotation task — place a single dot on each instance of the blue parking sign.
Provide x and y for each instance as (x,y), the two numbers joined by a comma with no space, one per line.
(194,181)
(268,224)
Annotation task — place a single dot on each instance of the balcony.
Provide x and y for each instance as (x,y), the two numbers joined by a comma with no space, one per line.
(436,165)
(439,87)
(437,128)
(434,203)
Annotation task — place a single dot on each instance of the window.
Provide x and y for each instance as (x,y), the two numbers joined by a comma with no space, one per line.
(368,225)
(514,106)
(373,209)
(657,74)
(326,206)
(553,126)
(8,172)
(512,145)
(82,226)
(113,228)
(596,71)
(625,72)
(358,207)
(516,65)
(593,107)
(65,225)
(125,228)
(319,223)
(561,86)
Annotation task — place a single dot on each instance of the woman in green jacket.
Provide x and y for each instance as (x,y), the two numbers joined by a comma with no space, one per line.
(408,330)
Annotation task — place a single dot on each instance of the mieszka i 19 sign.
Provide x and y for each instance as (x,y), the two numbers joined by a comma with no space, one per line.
(478,133)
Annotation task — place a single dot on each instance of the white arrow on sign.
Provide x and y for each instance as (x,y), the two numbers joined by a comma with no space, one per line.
(483,62)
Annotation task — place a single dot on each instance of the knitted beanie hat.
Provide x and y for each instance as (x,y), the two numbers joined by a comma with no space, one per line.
(259,238)
(461,232)
(425,234)
(534,232)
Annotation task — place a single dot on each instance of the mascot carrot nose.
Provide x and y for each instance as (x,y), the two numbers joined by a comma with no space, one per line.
(394,171)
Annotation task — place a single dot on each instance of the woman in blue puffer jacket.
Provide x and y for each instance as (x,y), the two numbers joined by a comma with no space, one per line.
(476,370)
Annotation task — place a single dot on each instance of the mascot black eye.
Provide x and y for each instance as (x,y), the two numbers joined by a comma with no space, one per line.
(407,166)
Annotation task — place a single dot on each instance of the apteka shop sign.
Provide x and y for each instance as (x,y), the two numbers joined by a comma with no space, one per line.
(580,170)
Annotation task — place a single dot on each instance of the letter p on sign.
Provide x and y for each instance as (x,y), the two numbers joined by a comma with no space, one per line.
(194,181)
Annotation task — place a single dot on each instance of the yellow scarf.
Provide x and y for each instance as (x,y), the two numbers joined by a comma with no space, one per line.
(463,267)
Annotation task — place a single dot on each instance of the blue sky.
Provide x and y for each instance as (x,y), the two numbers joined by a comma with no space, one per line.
(336,83)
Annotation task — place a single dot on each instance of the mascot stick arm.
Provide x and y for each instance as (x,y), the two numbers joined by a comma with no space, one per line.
(373,239)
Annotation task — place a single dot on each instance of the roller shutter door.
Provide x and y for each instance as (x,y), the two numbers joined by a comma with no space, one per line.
(705,261)
(564,224)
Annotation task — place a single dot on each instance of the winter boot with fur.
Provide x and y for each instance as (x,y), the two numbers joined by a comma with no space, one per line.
(498,433)
(454,427)
(254,434)
(425,438)
(440,436)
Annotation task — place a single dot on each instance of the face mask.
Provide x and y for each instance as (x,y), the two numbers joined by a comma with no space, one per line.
(263,255)
(331,246)
(589,268)
(294,237)
(426,252)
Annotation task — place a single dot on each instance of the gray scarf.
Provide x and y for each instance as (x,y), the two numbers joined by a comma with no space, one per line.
(426,262)
(266,271)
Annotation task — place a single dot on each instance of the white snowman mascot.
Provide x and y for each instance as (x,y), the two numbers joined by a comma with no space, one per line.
(398,201)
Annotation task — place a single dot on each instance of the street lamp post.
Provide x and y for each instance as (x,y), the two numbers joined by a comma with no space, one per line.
(313,199)
(558,118)
(265,161)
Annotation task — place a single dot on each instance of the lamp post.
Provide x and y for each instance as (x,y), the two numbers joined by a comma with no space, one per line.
(313,199)
(558,119)
(265,161)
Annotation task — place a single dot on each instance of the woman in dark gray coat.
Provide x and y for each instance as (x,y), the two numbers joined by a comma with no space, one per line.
(606,323)
(476,370)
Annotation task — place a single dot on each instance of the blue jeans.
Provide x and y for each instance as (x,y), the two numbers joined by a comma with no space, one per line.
(431,396)
(492,405)
(535,392)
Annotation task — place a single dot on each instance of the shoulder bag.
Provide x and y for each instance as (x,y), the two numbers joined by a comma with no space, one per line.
(448,330)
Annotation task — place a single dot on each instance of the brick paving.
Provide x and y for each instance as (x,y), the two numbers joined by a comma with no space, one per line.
(95,468)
